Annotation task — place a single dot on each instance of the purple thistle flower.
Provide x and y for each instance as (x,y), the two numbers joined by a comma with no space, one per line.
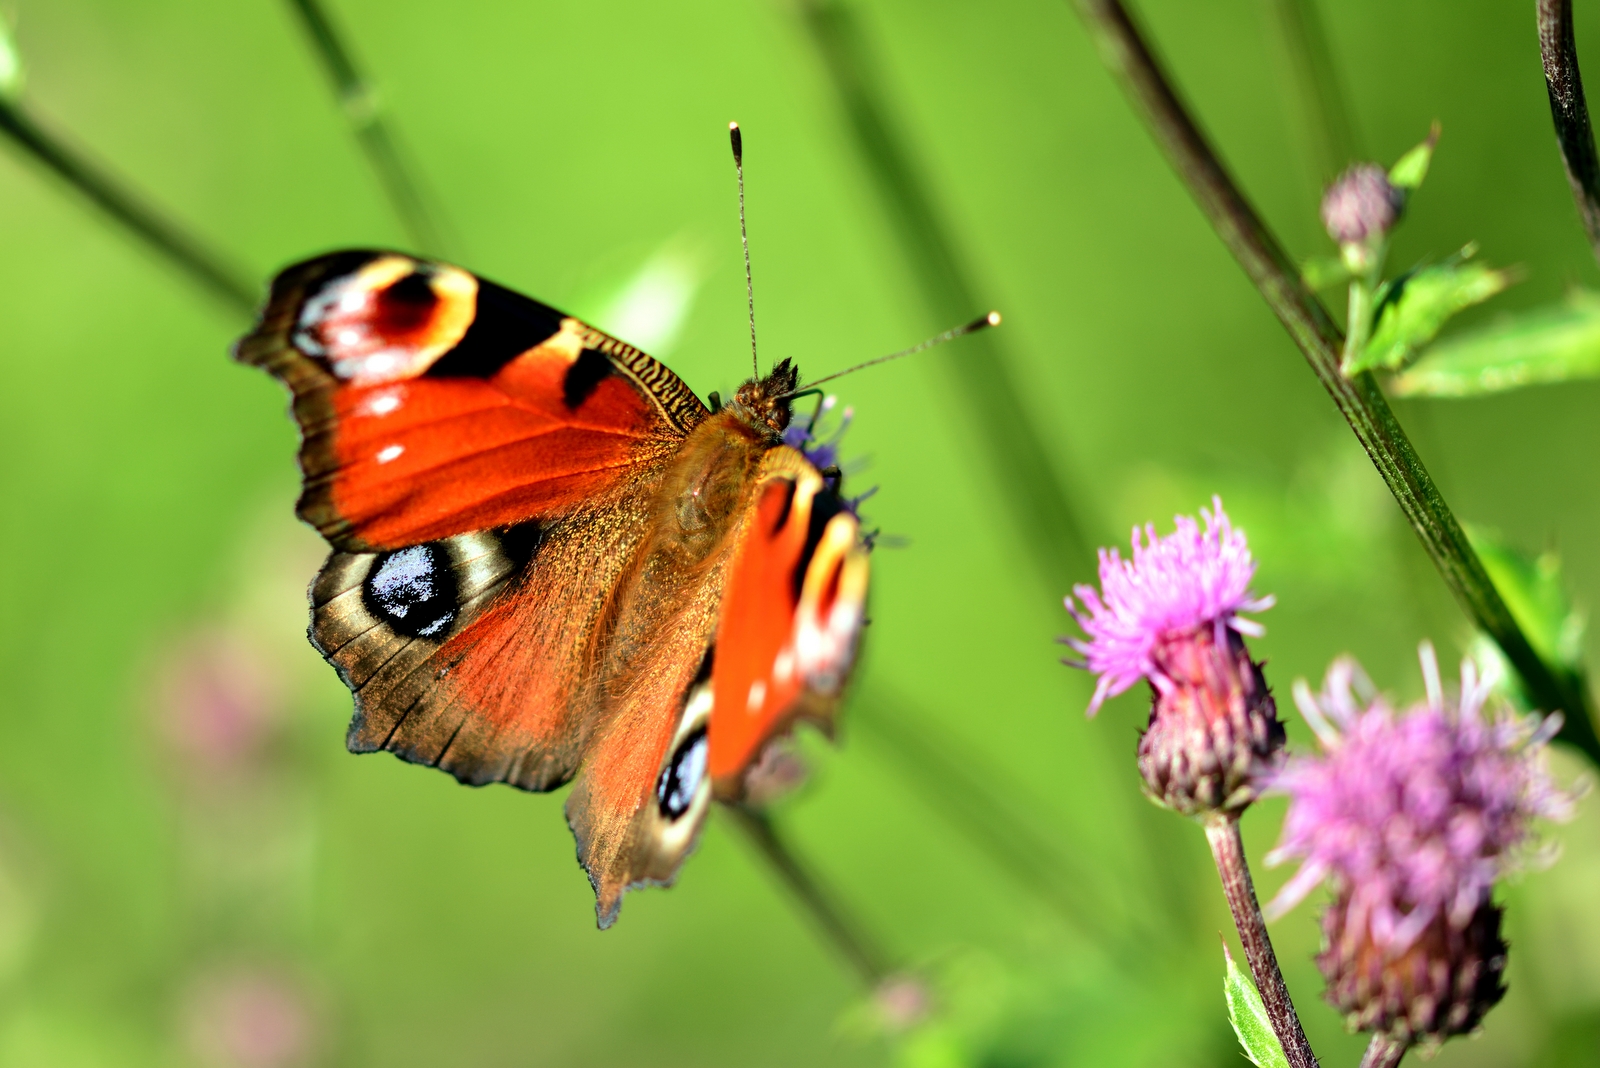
(1414,815)
(1171,586)
(1171,615)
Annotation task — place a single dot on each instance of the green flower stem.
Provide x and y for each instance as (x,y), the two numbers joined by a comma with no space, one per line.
(1383,1052)
(830,917)
(1570,112)
(178,247)
(1357,322)
(1227,849)
(358,99)
(1358,397)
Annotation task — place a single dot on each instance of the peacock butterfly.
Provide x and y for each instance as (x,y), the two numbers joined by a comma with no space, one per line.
(550,561)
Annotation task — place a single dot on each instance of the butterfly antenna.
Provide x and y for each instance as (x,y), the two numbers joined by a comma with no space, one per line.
(744,239)
(982,323)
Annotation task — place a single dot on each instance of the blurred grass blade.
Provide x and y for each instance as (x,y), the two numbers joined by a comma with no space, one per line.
(358,99)
(107,192)
(1410,169)
(1535,592)
(1313,76)
(1249,1017)
(1412,309)
(1553,344)
(11,73)
(980,367)
(842,929)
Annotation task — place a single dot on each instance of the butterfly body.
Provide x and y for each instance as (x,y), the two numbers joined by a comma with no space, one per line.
(550,559)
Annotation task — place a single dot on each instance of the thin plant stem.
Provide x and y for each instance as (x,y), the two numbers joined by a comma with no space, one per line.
(1308,61)
(1383,1052)
(830,917)
(1227,848)
(1358,397)
(134,214)
(359,101)
(981,367)
(1570,112)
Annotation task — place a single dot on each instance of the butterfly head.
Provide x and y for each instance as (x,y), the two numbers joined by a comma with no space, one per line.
(764,403)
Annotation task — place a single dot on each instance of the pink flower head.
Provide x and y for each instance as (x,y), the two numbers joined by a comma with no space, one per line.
(1415,815)
(1172,585)
(822,447)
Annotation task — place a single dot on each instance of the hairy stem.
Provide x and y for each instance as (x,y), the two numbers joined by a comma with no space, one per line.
(108,193)
(358,99)
(1227,848)
(1383,1052)
(1358,397)
(1570,112)
(830,917)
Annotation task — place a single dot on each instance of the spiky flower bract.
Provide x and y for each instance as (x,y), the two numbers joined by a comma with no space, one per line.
(1412,816)
(1170,614)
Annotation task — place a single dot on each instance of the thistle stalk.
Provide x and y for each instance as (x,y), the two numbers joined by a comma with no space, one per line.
(1227,849)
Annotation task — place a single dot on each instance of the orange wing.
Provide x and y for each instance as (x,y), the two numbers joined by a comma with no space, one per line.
(792,612)
(434,403)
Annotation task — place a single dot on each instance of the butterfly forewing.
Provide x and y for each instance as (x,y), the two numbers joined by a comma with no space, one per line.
(432,402)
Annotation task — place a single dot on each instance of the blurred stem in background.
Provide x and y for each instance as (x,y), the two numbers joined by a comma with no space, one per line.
(219,277)
(1570,112)
(1314,79)
(359,100)
(1040,499)
(1358,397)
(981,369)
(838,926)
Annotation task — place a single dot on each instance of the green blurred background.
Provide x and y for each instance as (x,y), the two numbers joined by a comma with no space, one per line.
(237,890)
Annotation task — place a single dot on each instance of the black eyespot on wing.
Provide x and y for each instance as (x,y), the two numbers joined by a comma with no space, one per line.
(681,778)
(504,326)
(584,377)
(413,590)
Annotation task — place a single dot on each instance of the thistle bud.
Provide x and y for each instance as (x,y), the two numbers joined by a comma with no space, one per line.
(1438,986)
(1362,205)
(1170,615)
(1412,817)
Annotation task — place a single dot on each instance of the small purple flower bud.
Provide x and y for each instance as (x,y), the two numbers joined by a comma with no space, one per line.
(1170,615)
(1361,205)
(1412,817)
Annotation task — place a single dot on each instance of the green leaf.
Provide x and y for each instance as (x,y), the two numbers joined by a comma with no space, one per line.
(1324,272)
(1533,590)
(1411,309)
(10,64)
(1249,1018)
(1557,343)
(1410,169)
